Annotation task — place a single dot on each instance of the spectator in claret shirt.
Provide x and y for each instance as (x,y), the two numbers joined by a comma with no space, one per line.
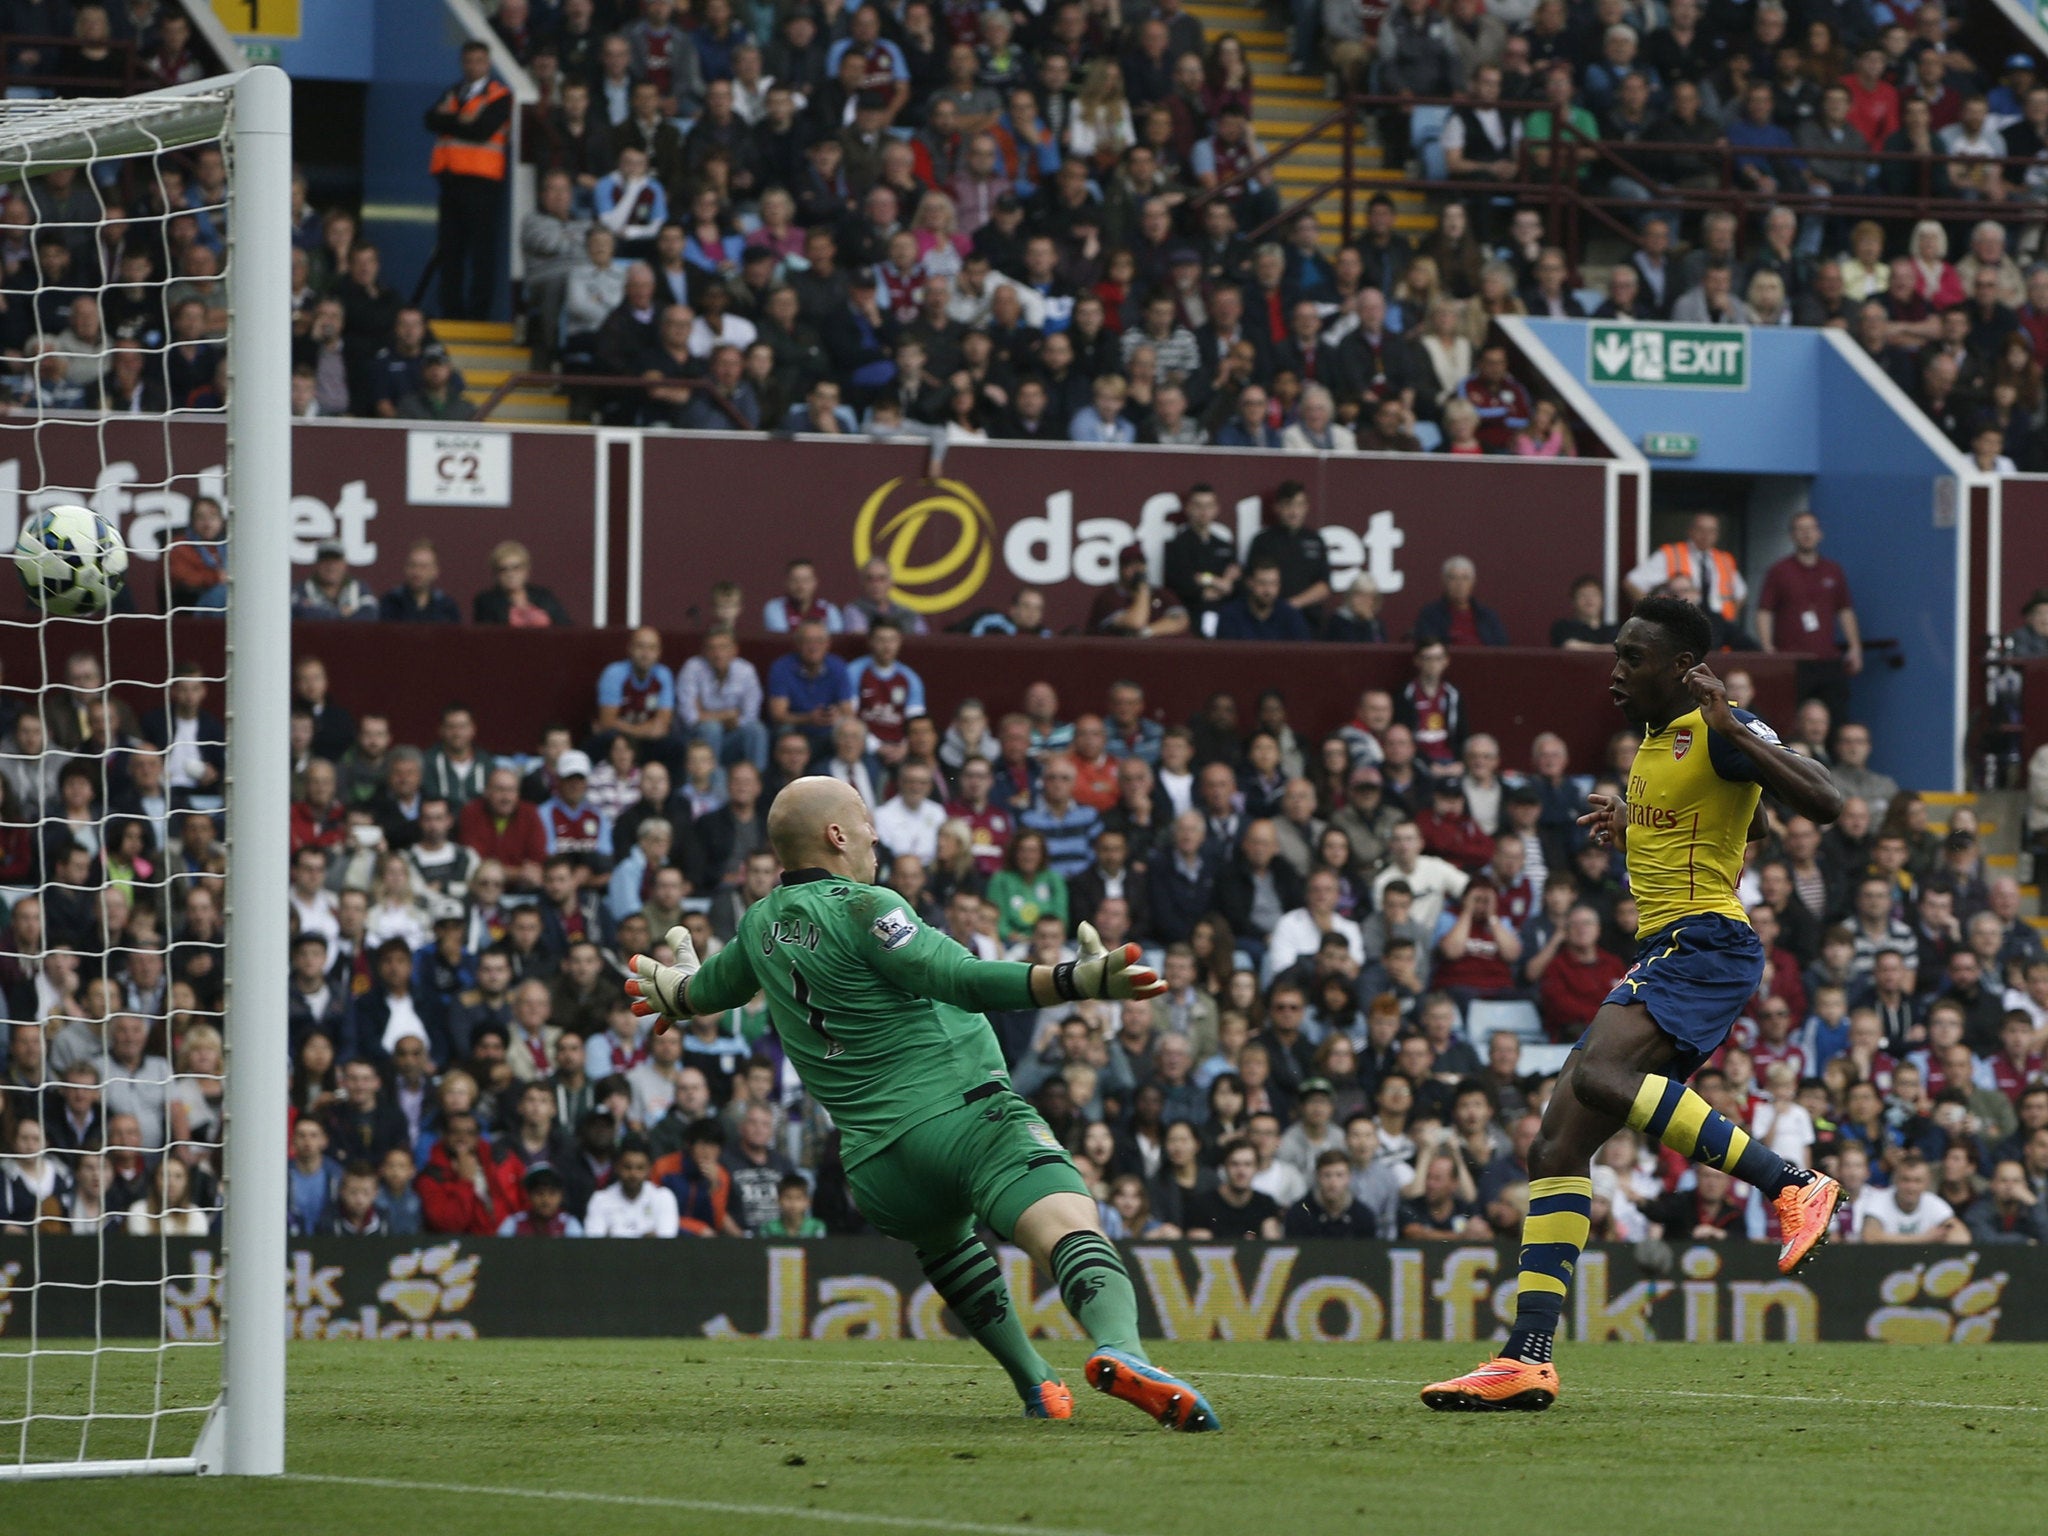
(800,603)
(1498,397)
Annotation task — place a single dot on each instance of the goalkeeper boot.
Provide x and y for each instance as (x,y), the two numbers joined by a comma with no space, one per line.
(1049,1400)
(1167,1398)
(1806,1215)
(1500,1384)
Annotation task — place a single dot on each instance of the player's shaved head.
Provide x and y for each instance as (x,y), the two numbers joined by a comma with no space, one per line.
(819,822)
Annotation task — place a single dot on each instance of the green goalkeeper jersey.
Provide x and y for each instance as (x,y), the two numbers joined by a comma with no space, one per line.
(882,1017)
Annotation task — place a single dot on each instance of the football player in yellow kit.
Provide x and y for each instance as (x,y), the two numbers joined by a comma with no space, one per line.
(1691,808)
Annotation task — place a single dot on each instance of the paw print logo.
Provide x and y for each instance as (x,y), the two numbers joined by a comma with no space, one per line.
(1940,1303)
(427,1287)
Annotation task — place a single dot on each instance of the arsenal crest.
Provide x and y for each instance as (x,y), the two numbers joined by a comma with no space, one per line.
(1681,743)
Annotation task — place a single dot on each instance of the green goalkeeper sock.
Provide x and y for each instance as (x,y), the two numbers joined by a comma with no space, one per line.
(1097,1290)
(967,1277)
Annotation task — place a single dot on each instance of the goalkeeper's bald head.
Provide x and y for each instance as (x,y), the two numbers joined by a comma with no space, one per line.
(820,822)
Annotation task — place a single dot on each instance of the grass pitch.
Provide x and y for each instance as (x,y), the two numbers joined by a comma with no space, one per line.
(629,1436)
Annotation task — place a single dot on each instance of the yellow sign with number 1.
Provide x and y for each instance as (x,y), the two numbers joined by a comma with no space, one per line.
(259,18)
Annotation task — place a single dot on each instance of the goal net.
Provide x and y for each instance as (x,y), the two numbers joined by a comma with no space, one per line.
(144,792)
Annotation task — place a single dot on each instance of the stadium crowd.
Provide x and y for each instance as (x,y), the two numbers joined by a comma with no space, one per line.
(1378,936)
(1045,224)
(921,177)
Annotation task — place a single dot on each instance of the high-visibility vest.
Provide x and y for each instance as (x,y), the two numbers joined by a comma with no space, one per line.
(1678,562)
(463,158)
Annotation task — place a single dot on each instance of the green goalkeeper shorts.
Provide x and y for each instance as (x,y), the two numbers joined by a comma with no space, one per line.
(990,1160)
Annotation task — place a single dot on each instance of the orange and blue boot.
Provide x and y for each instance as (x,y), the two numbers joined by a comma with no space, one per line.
(1500,1385)
(1049,1400)
(1806,1215)
(1167,1398)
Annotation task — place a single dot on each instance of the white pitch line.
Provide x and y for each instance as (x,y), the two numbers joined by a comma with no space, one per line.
(694,1506)
(1395,1381)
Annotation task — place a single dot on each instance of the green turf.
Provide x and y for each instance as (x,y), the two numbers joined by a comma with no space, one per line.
(1318,1439)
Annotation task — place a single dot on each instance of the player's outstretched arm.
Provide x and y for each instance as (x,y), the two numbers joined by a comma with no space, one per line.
(1800,784)
(668,994)
(1117,974)
(927,964)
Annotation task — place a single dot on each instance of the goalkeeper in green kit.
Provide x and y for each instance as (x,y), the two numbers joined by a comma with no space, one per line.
(882,1018)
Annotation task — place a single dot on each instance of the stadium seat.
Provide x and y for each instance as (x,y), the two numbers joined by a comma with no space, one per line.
(1483,1020)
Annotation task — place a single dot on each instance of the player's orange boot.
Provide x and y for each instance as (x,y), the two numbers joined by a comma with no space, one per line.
(1500,1384)
(1167,1398)
(1806,1214)
(1049,1400)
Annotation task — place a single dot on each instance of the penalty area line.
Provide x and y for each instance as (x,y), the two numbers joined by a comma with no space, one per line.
(1394,1381)
(845,1517)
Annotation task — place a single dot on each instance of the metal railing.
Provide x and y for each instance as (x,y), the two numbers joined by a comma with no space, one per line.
(555,383)
(133,77)
(1566,183)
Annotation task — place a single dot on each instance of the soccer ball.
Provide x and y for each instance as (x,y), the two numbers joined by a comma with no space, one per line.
(71,562)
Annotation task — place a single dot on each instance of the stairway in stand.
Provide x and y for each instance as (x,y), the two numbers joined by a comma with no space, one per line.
(486,353)
(1283,105)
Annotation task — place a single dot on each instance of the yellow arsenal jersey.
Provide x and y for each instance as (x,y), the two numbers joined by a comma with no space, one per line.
(1692,795)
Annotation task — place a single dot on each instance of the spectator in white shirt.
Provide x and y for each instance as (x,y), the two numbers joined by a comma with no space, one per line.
(312,903)
(1780,1123)
(653,1081)
(1299,934)
(1429,878)
(630,1206)
(909,822)
(1908,1212)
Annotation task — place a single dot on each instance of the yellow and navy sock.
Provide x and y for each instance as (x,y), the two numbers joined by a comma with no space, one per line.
(1684,1122)
(1553,1234)
(971,1283)
(1097,1290)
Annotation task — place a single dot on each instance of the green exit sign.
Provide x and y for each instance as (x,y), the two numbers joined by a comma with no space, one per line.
(1668,356)
(1671,445)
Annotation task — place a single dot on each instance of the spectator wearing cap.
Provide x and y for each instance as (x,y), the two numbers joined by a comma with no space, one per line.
(439,396)
(331,592)
(1456,618)
(1136,606)
(544,1215)
(572,822)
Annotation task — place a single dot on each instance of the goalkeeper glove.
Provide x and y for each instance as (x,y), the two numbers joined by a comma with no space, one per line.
(1117,974)
(657,989)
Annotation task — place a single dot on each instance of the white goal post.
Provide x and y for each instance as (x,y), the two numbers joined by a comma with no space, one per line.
(249,115)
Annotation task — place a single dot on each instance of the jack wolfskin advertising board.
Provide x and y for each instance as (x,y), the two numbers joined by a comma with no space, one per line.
(857,1288)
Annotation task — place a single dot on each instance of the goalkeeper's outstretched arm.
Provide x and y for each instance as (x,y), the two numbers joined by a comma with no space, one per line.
(926,964)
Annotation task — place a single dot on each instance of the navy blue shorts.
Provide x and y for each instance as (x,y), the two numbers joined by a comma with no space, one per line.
(1695,977)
